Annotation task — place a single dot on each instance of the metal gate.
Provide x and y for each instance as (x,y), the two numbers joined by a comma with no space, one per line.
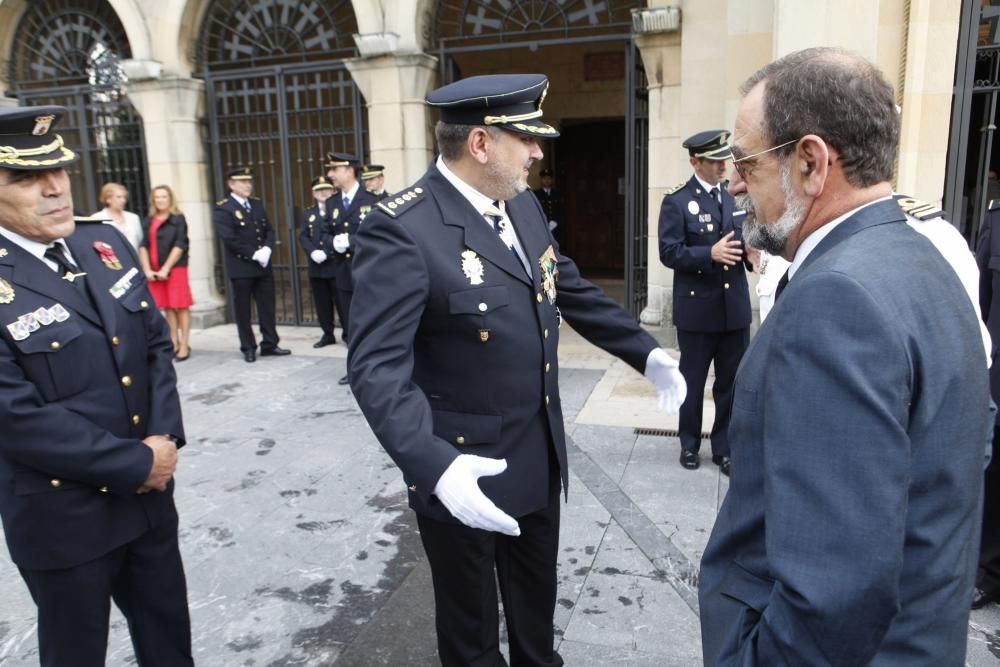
(637,183)
(280,121)
(106,132)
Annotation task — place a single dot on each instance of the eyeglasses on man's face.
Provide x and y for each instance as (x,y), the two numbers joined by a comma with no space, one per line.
(743,168)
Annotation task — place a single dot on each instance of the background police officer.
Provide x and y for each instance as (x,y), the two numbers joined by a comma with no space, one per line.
(701,240)
(241,222)
(351,204)
(548,197)
(373,177)
(454,363)
(316,238)
(90,413)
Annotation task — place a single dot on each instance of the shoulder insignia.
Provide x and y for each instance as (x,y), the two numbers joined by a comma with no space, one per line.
(221,202)
(676,188)
(994,205)
(397,204)
(920,210)
(254,198)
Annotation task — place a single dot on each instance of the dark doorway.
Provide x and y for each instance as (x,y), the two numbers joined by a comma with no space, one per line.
(590,167)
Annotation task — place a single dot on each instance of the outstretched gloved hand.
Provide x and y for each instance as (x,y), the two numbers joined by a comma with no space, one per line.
(662,371)
(458,488)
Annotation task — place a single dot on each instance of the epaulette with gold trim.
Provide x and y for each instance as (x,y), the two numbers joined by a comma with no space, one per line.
(395,205)
(919,209)
(221,202)
(676,188)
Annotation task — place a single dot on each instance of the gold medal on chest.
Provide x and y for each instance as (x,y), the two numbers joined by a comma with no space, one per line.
(6,292)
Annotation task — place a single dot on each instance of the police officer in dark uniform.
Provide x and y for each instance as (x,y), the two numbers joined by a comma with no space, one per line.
(241,222)
(548,197)
(373,177)
(90,413)
(350,206)
(316,239)
(988,259)
(701,240)
(455,324)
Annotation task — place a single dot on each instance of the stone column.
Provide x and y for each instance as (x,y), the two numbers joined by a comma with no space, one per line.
(394,87)
(170,107)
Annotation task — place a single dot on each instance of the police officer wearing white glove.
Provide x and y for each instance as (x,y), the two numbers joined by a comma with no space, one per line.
(316,239)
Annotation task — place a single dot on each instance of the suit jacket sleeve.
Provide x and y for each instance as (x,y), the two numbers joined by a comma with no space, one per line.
(835,478)
(222,222)
(181,234)
(391,288)
(675,253)
(308,245)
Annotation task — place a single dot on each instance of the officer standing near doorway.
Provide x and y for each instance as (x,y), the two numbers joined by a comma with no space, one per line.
(373,177)
(316,239)
(241,222)
(701,239)
(350,206)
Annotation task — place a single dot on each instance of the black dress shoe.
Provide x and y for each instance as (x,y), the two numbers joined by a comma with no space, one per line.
(722,462)
(324,341)
(344,380)
(249,356)
(274,352)
(689,459)
(981,598)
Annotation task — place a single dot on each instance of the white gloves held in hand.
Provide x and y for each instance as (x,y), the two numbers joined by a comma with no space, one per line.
(340,242)
(262,256)
(318,256)
(458,489)
(671,389)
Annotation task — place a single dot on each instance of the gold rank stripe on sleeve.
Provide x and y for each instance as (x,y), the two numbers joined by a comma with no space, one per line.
(402,201)
(920,210)
(676,188)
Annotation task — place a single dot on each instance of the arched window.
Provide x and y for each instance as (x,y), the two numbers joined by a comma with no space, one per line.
(249,33)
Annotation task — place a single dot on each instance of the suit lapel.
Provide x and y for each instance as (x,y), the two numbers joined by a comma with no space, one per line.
(98,280)
(727,212)
(457,211)
(532,243)
(32,273)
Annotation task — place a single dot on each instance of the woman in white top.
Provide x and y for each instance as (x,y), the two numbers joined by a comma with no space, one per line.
(114,196)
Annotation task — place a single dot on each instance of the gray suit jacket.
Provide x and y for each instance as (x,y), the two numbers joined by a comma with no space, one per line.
(849,534)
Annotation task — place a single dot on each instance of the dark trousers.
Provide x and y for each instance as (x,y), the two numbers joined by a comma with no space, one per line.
(463,561)
(146,580)
(989,549)
(324,293)
(343,301)
(698,351)
(262,291)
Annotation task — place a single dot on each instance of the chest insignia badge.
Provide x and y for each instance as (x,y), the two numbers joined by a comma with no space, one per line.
(693,207)
(484,335)
(107,254)
(336,213)
(472,267)
(6,292)
(550,273)
(312,218)
(710,226)
(239,215)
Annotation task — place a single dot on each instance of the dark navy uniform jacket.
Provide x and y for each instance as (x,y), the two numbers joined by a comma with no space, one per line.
(349,221)
(707,296)
(242,235)
(76,398)
(317,233)
(453,345)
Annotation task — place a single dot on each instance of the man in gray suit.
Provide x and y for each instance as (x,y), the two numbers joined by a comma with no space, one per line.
(861,409)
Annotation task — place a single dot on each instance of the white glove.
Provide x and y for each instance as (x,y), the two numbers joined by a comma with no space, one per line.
(552,225)
(262,256)
(458,488)
(340,242)
(318,256)
(671,389)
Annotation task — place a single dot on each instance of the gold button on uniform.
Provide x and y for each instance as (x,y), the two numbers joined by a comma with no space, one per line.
(692,292)
(413,487)
(55,483)
(546,400)
(55,345)
(127,380)
(460,440)
(115,340)
(547,367)
(136,419)
(726,285)
(546,333)
(725,267)
(144,304)
(104,489)
(482,307)
(538,297)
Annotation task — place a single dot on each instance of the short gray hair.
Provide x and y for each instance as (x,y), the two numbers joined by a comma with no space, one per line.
(839,96)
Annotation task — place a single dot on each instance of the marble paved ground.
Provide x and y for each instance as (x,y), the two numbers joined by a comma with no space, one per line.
(300,550)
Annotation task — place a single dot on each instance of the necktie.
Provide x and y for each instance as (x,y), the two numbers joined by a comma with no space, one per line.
(347,203)
(495,216)
(68,272)
(715,195)
(782,284)
(246,205)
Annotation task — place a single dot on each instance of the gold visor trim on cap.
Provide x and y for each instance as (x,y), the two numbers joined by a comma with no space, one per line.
(494,120)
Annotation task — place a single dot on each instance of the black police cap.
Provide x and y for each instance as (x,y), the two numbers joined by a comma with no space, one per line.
(709,145)
(340,160)
(371,171)
(510,101)
(321,182)
(27,141)
(239,174)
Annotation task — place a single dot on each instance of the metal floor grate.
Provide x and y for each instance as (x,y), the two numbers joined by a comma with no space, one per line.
(663,432)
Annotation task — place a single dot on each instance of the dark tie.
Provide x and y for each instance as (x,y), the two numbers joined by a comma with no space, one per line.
(347,203)
(782,284)
(715,194)
(246,205)
(495,216)
(68,272)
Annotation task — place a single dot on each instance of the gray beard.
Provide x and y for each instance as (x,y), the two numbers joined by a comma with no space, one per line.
(772,238)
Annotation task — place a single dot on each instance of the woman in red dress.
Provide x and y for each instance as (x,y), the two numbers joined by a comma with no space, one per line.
(164,258)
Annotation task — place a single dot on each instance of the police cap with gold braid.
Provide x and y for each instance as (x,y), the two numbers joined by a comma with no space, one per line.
(27,141)
(709,145)
(510,101)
